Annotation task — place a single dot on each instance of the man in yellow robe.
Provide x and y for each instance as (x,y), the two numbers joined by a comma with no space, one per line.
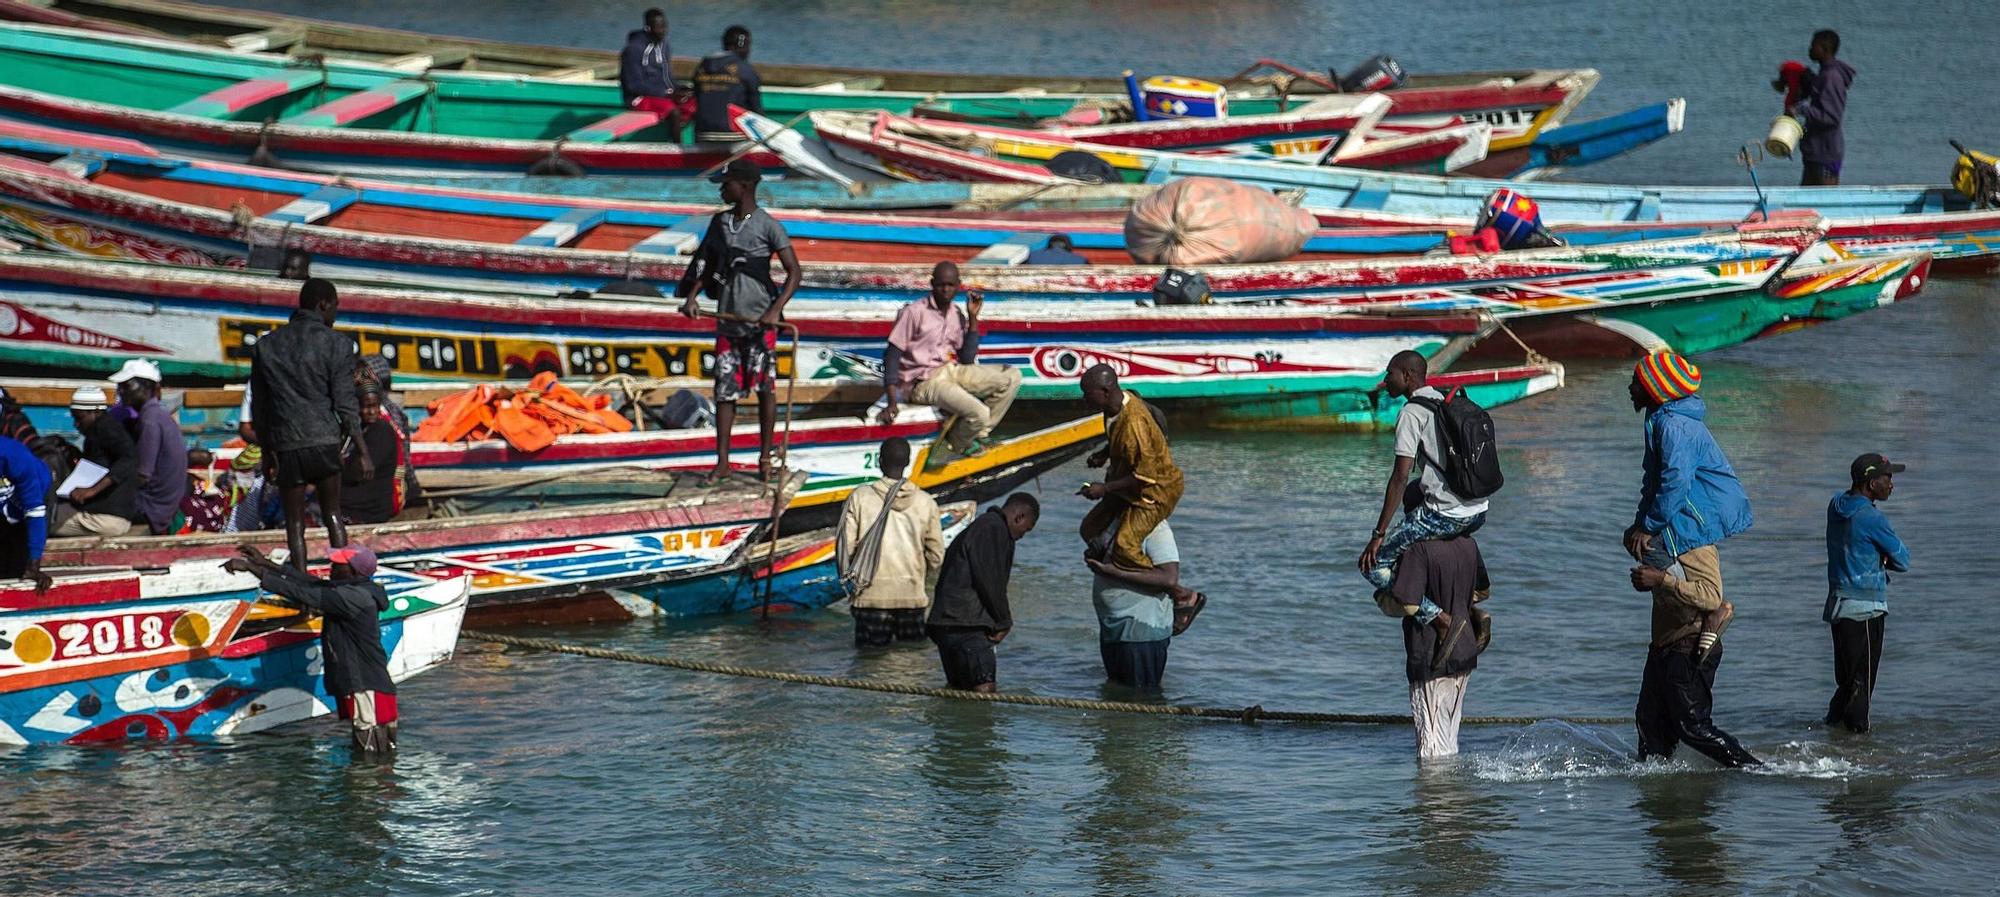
(1141,485)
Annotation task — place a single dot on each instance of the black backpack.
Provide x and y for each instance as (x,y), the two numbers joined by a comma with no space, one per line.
(1471,462)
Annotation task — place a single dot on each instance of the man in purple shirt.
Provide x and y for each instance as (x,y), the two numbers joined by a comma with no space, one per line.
(1821,110)
(162,452)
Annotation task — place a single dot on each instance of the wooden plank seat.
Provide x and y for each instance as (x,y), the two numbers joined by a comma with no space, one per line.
(359,106)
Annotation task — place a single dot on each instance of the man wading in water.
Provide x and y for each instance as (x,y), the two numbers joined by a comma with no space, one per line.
(1689,500)
(733,266)
(1861,550)
(1141,487)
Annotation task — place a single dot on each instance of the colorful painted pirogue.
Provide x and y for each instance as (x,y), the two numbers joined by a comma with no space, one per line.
(1237,364)
(538,244)
(513,556)
(930,150)
(338,115)
(185,653)
(1518,105)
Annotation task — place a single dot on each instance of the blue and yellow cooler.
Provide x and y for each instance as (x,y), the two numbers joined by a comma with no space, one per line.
(1171,96)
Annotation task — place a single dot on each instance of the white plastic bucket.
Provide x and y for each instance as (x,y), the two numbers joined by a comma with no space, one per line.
(1784,136)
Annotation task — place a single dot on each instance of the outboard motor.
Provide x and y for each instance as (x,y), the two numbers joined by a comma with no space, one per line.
(1379,73)
(1977,176)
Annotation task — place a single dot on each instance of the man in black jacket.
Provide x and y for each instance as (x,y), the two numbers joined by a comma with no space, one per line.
(357,668)
(106,507)
(302,389)
(724,79)
(969,614)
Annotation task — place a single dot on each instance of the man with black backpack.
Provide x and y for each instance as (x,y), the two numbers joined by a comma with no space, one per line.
(889,545)
(1450,440)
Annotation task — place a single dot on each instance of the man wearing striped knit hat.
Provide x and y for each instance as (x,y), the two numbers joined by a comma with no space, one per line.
(1689,500)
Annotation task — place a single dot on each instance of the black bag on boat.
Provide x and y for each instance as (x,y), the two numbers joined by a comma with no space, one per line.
(1178,287)
(1471,462)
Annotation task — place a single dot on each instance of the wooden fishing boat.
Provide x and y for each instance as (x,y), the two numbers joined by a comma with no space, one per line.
(931,150)
(513,556)
(342,116)
(799,573)
(1238,364)
(168,210)
(117,656)
(834,456)
(1517,104)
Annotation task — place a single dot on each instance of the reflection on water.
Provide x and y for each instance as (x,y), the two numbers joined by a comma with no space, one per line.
(966,766)
(1446,830)
(1685,848)
(1133,820)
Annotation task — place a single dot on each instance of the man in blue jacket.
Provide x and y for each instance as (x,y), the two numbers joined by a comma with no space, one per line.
(24,513)
(1861,549)
(1689,500)
(645,72)
(1821,110)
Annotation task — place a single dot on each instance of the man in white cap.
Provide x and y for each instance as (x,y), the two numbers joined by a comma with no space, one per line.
(108,506)
(162,453)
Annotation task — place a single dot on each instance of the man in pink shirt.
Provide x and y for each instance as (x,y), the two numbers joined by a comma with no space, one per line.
(924,365)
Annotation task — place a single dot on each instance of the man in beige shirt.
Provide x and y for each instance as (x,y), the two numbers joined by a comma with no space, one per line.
(891,595)
(929,361)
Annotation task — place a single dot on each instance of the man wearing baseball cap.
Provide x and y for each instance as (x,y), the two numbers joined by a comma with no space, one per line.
(357,668)
(162,459)
(1689,500)
(733,266)
(1861,550)
(108,506)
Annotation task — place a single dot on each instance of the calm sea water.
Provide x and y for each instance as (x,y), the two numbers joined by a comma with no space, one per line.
(531,774)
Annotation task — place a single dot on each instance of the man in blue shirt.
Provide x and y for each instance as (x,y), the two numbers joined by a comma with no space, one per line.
(24,513)
(1058,251)
(1140,611)
(1861,549)
(645,72)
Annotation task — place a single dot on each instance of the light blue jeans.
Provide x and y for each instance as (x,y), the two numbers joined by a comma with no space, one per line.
(1417,526)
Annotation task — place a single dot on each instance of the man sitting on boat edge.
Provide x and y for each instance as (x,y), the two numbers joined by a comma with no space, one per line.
(931,360)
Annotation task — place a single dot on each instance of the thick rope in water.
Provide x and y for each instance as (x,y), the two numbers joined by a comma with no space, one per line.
(1251,714)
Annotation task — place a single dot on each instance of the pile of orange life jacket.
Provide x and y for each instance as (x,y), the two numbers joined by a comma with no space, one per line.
(529,419)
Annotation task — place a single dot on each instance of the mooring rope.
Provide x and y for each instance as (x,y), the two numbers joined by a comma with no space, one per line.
(1251,714)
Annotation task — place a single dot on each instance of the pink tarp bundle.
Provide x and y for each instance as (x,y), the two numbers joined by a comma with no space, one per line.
(1210,221)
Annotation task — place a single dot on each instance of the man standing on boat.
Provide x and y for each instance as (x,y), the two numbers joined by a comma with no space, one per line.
(1689,500)
(931,360)
(302,386)
(645,72)
(1821,110)
(890,542)
(163,463)
(24,513)
(733,266)
(106,507)
(725,79)
(971,614)
(356,666)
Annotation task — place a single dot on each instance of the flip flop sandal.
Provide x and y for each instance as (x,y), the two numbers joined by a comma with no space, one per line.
(1482,629)
(1445,643)
(1193,610)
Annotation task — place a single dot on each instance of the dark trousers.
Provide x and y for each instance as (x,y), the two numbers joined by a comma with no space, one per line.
(13,550)
(1674,703)
(1818,175)
(1135,664)
(1857,653)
